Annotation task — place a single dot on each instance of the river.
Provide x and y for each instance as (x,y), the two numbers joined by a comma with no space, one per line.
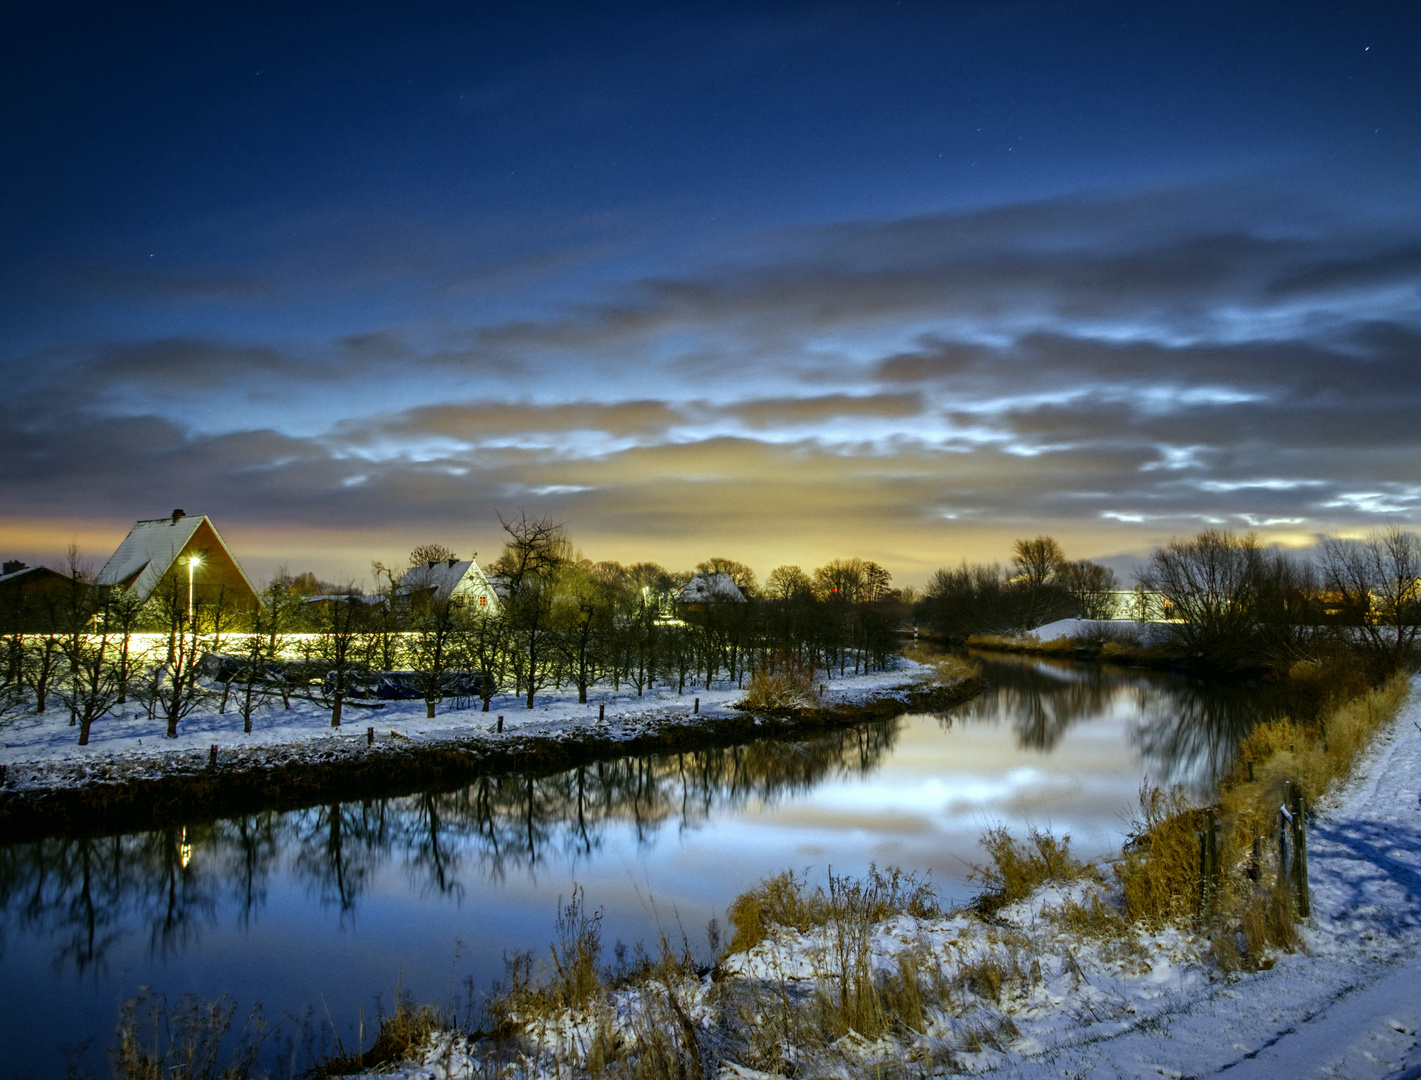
(319,912)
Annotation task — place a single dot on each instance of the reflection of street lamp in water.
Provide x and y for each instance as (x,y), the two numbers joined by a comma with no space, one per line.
(193,562)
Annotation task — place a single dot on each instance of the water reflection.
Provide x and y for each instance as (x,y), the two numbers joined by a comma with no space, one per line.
(1187,730)
(86,894)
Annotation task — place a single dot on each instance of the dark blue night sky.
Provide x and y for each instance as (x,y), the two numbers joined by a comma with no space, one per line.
(776,282)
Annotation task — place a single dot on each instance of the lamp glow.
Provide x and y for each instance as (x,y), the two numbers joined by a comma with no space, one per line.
(193,562)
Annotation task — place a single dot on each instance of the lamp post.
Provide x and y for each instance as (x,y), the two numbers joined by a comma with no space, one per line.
(193,561)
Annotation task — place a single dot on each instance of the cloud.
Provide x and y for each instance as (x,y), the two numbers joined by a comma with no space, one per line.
(909,390)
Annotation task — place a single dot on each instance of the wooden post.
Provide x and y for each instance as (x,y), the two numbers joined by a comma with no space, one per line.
(1283,838)
(602,711)
(212,758)
(370,736)
(500,724)
(1300,854)
(1208,862)
(696,708)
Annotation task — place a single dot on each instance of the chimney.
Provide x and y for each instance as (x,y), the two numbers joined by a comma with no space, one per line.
(178,515)
(453,560)
(12,567)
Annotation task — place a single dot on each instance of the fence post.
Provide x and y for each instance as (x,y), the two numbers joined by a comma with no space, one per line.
(602,711)
(1283,823)
(1208,862)
(1300,853)
(696,708)
(370,736)
(212,758)
(500,724)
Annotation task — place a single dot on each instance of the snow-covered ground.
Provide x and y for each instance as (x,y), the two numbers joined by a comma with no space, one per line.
(43,748)
(1140,633)
(1347,1005)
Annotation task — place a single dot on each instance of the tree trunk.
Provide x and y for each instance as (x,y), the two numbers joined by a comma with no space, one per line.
(335,711)
(84,732)
(429,704)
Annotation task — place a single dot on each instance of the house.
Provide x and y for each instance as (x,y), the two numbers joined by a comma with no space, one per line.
(705,589)
(450,579)
(34,598)
(184,548)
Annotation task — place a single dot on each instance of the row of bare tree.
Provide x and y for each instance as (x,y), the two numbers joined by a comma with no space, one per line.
(1230,602)
(562,621)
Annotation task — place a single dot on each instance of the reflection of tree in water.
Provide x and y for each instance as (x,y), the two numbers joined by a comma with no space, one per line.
(1191,735)
(88,894)
(1187,730)
(1041,698)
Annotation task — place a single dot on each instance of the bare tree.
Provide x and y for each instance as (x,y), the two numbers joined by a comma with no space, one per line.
(788,583)
(429,554)
(1091,588)
(533,556)
(1374,587)
(1213,583)
(342,628)
(435,622)
(1037,561)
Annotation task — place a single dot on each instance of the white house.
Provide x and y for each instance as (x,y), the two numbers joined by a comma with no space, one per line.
(452,578)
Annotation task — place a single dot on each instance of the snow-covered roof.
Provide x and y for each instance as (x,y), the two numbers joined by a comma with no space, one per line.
(448,578)
(151,547)
(703,588)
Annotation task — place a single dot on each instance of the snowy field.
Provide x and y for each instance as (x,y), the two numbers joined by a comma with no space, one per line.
(43,748)
(1347,1005)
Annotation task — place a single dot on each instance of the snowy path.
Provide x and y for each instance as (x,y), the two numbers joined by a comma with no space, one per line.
(1351,1006)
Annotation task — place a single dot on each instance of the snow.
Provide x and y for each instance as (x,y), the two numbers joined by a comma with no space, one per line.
(41,751)
(1143,633)
(1348,1004)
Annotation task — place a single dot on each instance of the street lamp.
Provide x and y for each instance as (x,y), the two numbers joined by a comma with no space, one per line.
(193,562)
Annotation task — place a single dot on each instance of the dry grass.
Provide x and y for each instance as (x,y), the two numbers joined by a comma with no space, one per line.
(1313,755)
(575,980)
(786,900)
(778,690)
(1016,870)
(1160,870)
(1025,643)
(401,1035)
(1159,866)
(945,669)
(154,1042)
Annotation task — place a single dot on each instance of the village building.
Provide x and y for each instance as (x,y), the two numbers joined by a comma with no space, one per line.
(35,598)
(454,579)
(183,550)
(704,589)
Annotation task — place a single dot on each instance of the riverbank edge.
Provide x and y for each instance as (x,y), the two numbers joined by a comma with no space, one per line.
(78,799)
(1189,1013)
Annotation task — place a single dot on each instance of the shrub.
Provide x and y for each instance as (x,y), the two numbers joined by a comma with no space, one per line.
(1017,869)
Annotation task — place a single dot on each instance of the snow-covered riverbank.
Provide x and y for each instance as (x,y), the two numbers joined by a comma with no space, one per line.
(132,776)
(1029,993)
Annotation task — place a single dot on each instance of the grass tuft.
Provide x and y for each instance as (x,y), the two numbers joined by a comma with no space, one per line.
(1016,870)
(785,900)
(154,1042)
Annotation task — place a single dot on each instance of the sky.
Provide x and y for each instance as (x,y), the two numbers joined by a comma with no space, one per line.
(774,282)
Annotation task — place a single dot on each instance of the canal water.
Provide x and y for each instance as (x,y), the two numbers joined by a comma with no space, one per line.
(319,912)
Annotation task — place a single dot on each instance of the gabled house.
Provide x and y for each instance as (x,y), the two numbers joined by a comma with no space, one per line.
(178,546)
(35,598)
(452,578)
(705,589)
